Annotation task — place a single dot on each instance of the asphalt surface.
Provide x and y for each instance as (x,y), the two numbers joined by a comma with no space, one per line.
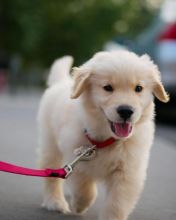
(20,196)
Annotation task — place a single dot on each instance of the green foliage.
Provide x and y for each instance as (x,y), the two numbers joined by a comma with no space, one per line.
(42,30)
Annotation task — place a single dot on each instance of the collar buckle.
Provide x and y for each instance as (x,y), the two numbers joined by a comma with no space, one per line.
(87,152)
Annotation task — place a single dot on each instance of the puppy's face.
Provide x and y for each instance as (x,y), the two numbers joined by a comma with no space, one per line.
(121,85)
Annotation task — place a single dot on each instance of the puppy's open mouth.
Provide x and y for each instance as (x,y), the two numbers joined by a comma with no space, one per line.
(121,129)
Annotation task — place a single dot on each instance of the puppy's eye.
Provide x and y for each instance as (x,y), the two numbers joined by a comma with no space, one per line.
(108,88)
(138,88)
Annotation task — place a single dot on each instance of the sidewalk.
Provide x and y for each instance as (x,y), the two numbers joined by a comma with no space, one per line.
(20,196)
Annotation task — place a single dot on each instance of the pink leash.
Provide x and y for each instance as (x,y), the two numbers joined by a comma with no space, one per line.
(62,172)
(10,168)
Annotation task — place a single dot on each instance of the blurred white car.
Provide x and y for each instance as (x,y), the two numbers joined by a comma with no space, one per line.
(166,55)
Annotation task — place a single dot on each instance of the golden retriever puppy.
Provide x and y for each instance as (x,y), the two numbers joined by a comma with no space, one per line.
(111,95)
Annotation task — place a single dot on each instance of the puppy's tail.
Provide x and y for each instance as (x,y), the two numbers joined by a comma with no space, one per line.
(60,70)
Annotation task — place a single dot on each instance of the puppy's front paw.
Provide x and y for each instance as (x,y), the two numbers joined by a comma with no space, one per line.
(78,207)
(59,205)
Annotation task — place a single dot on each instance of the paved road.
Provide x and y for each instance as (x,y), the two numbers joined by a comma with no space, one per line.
(20,196)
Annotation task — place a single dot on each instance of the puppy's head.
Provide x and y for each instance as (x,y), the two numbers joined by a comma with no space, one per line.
(121,85)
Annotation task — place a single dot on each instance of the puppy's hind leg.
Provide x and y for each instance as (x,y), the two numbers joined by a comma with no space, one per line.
(51,157)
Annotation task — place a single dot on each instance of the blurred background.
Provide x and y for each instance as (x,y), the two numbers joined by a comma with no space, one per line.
(34,33)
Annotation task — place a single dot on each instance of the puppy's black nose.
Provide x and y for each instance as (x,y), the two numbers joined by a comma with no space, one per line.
(125,111)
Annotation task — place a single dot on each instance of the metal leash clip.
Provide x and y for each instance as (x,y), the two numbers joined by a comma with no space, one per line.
(82,153)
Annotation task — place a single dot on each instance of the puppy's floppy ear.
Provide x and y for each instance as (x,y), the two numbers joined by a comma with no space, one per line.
(80,81)
(160,92)
(158,88)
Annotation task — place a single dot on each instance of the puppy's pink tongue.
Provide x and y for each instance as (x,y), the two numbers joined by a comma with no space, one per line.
(122,129)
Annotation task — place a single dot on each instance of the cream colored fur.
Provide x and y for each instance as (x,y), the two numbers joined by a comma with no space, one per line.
(62,120)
